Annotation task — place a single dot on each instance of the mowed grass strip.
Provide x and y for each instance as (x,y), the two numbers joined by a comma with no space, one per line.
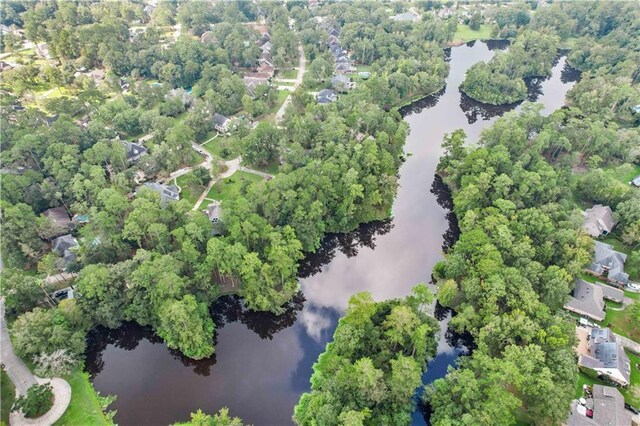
(232,186)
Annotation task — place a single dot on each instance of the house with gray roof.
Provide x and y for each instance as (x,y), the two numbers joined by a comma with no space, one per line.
(134,151)
(606,357)
(221,123)
(587,300)
(605,407)
(598,220)
(344,68)
(65,247)
(327,96)
(636,181)
(168,193)
(341,83)
(609,263)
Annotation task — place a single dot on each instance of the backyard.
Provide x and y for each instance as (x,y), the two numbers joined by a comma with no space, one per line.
(464,34)
(291,74)
(631,395)
(225,147)
(232,186)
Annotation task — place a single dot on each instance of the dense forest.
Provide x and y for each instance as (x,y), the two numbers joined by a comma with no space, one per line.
(84,82)
(520,249)
(139,258)
(370,371)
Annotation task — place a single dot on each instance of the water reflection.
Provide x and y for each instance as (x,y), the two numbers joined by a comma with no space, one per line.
(263,362)
(349,244)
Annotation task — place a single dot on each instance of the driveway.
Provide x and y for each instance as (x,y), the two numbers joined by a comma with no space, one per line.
(298,81)
(23,379)
(13,365)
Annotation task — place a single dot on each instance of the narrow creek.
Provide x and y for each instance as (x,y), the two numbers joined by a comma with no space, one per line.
(263,362)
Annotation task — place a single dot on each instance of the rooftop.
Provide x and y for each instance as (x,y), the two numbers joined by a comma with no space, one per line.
(598,220)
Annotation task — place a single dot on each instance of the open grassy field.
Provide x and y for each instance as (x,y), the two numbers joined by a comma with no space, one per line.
(225,147)
(84,408)
(7,396)
(465,34)
(232,186)
(288,74)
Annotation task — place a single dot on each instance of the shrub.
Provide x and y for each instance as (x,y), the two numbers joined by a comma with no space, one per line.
(37,401)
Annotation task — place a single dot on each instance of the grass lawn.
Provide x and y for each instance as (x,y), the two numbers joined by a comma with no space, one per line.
(7,396)
(225,147)
(85,407)
(231,187)
(285,83)
(289,74)
(465,34)
(625,172)
(364,68)
(190,193)
(272,169)
(616,320)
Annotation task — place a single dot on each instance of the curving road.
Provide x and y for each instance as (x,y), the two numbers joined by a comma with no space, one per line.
(23,379)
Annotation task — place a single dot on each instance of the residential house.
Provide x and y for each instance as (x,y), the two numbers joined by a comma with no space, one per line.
(42,50)
(149,9)
(598,220)
(604,407)
(587,300)
(267,69)
(327,96)
(341,83)
(134,151)
(213,212)
(221,123)
(344,68)
(606,357)
(65,246)
(97,75)
(266,37)
(253,80)
(405,17)
(333,32)
(609,263)
(267,46)
(59,220)
(168,193)
(636,181)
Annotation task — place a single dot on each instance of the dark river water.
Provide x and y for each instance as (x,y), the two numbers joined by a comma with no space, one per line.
(262,362)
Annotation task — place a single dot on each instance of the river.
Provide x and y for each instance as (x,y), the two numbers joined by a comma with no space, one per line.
(262,362)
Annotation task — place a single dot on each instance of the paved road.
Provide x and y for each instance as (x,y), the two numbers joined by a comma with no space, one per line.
(232,167)
(15,368)
(298,81)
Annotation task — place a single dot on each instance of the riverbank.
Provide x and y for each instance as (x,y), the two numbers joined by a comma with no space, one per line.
(85,406)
